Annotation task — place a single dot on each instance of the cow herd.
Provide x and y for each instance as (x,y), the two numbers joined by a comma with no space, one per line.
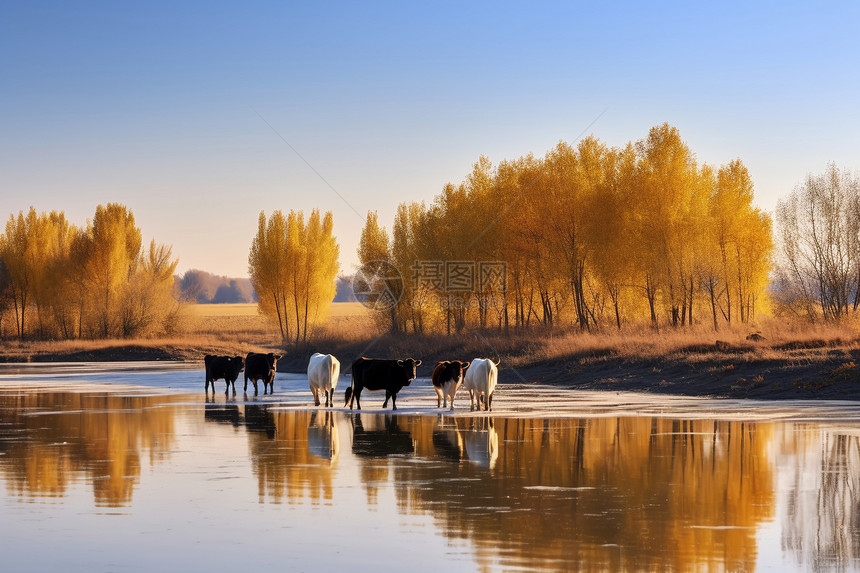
(478,377)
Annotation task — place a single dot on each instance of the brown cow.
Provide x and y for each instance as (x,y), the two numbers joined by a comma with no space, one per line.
(447,378)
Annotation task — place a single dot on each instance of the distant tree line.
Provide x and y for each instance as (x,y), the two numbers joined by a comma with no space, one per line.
(343,289)
(590,236)
(205,288)
(61,281)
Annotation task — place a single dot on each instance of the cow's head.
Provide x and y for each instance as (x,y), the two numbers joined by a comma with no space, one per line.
(452,370)
(458,369)
(409,366)
(238,364)
(272,359)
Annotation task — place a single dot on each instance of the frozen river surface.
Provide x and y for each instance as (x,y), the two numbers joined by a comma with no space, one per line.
(130,467)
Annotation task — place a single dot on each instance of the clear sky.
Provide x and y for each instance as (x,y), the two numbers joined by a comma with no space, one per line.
(166,107)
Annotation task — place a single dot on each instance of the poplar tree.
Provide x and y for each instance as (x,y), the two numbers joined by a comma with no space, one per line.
(292,266)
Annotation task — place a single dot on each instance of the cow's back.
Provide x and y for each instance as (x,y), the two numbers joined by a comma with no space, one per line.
(257,365)
(377,374)
(323,370)
(492,376)
(478,374)
(317,366)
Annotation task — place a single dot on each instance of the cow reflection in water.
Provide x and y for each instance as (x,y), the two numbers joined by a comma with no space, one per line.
(293,453)
(378,436)
(471,439)
(260,419)
(222,413)
(323,440)
(481,441)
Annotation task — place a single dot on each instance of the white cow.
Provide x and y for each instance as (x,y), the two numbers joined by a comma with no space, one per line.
(480,381)
(482,443)
(323,372)
(323,439)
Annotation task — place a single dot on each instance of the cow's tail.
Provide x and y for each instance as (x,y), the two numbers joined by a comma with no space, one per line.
(497,362)
(334,373)
(348,394)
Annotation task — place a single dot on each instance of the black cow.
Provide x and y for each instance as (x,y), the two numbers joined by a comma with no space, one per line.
(218,367)
(261,367)
(375,374)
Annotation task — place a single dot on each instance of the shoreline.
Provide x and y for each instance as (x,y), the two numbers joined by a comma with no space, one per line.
(813,370)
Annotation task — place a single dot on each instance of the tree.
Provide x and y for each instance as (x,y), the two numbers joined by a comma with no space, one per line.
(583,232)
(149,303)
(293,266)
(376,282)
(93,282)
(267,269)
(819,231)
(35,249)
(114,251)
(5,289)
(667,179)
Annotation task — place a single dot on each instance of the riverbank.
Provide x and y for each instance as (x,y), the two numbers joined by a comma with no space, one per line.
(793,367)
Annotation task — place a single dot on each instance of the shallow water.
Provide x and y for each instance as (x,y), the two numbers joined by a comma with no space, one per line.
(130,468)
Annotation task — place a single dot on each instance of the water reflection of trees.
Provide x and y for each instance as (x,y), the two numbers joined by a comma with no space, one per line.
(293,453)
(822,525)
(625,493)
(52,438)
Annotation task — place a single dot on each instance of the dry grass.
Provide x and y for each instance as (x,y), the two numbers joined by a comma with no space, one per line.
(353,331)
(792,361)
(350,336)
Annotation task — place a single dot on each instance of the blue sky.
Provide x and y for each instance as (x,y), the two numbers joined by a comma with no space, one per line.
(166,106)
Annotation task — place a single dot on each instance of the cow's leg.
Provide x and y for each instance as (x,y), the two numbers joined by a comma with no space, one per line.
(316,394)
(357,395)
(393,401)
(387,396)
(329,398)
(438,396)
(471,400)
(489,402)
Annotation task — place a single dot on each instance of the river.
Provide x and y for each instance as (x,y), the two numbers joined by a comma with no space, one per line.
(129,467)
